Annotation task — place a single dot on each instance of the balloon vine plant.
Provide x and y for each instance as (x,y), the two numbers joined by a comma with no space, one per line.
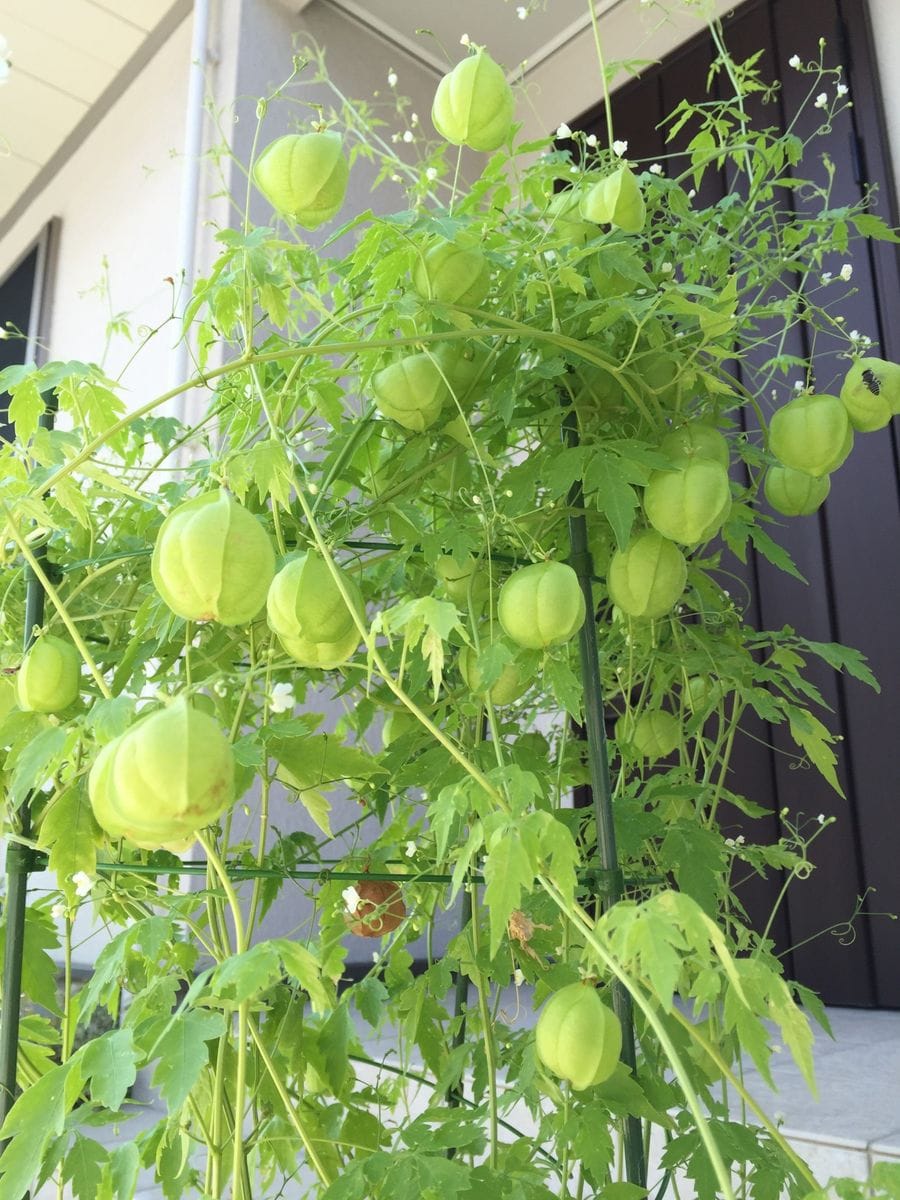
(460,488)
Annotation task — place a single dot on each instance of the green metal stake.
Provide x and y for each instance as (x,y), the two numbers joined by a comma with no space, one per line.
(601,788)
(18,864)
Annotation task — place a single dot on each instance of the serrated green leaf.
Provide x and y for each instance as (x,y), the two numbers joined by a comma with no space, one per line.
(70,833)
(110,1063)
(508,871)
(306,969)
(183,1053)
(83,1167)
(243,976)
(370,997)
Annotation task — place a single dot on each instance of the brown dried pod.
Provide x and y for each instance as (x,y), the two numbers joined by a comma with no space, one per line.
(379,909)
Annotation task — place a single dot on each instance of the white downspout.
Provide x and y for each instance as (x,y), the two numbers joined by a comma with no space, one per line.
(189,207)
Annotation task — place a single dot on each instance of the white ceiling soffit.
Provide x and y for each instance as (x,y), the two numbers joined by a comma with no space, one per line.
(431,32)
(70,61)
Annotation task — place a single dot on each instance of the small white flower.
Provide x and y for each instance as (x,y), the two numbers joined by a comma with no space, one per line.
(821,100)
(220,687)
(521,12)
(395,138)
(508,493)
(518,977)
(313,488)
(464,40)
(351,898)
(413,119)
(58,912)
(431,174)
(392,78)
(619,147)
(410,849)
(655,169)
(842,89)
(591,140)
(853,335)
(794,61)
(408,136)
(282,698)
(666,268)
(563,131)
(729,841)
(798,385)
(821,818)
(692,193)
(83,883)
(476,499)
(827,277)
(740,840)
(846,271)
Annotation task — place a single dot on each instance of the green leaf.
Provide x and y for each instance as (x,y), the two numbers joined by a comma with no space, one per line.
(37,1117)
(183,1053)
(843,658)
(39,971)
(35,763)
(83,1167)
(110,1062)
(696,857)
(70,833)
(815,740)
(370,997)
(246,975)
(306,969)
(777,555)
(564,684)
(334,1042)
(508,870)
(614,496)
(124,1165)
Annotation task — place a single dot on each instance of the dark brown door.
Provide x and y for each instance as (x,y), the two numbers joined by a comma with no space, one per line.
(849,552)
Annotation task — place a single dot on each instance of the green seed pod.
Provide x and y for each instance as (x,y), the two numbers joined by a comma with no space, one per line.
(213,561)
(304,602)
(466,369)
(616,200)
(453,275)
(565,216)
(506,688)
(304,177)
(690,503)
(168,777)
(578,1037)
(463,578)
(871,393)
(49,677)
(811,434)
(541,605)
(696,440)
(794,493)
(324,656)
(701,693)
(474,105)
(411,392)
(648,576)
(652,736)
(398,723)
